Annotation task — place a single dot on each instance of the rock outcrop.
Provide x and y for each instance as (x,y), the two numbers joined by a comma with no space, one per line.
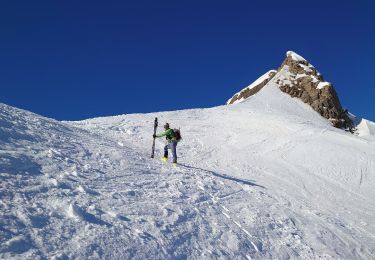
(297,77)
(306,83)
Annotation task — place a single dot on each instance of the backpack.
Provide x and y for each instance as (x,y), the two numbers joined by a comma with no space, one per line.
(177,134)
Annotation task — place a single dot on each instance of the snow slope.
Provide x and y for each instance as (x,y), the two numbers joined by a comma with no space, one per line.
(265,178)
(366,128)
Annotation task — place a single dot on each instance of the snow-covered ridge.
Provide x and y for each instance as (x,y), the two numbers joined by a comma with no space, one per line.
(246,92)
(259,80)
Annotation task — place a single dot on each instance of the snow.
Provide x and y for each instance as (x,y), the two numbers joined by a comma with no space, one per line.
(284,76)
(295,56)
(366,128)
(254,84)
(313,78)
(306,68)
(323,84)
(301,76)
(267,178)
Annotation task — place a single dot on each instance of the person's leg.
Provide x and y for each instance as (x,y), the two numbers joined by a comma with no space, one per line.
(174,151)
(166,151)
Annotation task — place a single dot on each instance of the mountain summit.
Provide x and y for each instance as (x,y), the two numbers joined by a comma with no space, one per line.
(299,78)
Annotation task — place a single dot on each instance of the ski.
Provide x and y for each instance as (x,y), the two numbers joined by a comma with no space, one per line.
(153,142)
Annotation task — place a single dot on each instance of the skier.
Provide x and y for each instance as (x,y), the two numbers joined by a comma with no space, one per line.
(171,143)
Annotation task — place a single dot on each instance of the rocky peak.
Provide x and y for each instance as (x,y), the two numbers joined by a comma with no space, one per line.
(298,65)
(300,79)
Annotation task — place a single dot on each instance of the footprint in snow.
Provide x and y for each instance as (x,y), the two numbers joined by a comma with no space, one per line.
(77,213)
(18,245)
(82,189)
(117,216)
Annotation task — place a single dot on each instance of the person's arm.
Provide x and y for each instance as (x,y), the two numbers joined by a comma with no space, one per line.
(163,134)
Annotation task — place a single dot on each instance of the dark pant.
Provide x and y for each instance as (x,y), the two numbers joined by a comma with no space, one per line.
(172,145)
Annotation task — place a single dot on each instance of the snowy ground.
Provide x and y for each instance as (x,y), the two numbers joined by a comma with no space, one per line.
(266,178)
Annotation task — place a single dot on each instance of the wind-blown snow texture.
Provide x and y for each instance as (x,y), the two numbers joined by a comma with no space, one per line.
(266,178)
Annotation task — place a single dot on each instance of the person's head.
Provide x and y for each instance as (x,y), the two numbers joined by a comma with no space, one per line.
(166,126)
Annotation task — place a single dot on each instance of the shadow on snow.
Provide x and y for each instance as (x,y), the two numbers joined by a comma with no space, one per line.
(223,176)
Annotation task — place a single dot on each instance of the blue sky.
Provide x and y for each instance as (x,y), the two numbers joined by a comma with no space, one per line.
(78,59)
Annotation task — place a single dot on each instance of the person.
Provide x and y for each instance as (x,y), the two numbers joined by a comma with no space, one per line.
(171,143)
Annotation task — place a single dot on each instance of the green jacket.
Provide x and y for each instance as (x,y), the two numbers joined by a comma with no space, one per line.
(169,135)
